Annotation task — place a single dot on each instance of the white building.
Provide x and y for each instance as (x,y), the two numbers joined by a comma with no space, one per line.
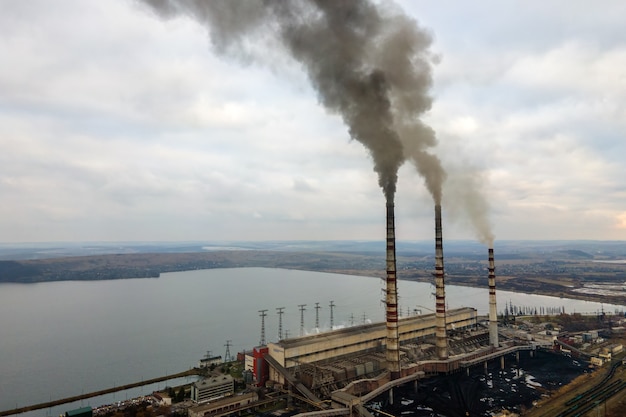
(212,388)
(208,361)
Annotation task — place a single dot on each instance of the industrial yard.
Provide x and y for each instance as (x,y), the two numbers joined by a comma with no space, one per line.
(451,362)
(533,373)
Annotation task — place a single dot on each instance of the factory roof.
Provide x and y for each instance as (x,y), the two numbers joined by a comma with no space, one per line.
(225,401)
(217,380)
(364,328)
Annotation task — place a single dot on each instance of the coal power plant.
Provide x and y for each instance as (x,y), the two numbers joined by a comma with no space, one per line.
(353,365)
(371,66)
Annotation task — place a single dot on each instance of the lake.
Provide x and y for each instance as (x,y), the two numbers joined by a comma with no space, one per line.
(64,338)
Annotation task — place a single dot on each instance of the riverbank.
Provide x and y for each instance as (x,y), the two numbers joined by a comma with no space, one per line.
(72,399)
(560,277)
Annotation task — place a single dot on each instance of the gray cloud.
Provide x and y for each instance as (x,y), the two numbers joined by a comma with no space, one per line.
(115,125)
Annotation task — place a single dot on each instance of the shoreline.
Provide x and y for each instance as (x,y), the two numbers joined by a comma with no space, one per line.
(105,391)
(66,269)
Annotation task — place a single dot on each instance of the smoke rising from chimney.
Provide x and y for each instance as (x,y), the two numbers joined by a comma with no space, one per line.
(465,200)
(368,62)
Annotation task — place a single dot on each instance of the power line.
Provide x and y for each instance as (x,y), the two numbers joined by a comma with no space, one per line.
(280,322)
(317,315)
(263,315)
(302,309)
(227,357)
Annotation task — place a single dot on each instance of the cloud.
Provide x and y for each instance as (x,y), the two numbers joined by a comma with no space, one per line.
(117,125)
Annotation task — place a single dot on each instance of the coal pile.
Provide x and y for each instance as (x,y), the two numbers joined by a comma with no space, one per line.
(484,393)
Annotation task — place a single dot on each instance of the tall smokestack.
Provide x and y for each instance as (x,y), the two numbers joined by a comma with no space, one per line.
(493,315)
(393,352)
(440,291)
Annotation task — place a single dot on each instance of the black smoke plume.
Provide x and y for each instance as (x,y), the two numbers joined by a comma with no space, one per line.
(369,63)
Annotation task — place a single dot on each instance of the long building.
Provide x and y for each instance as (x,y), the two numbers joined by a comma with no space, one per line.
(356,340)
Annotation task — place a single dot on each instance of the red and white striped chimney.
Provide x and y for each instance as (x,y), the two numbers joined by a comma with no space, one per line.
(441,343)
(393,351)
(493,313)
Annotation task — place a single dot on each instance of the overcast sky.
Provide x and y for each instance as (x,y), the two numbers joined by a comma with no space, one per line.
(116,125)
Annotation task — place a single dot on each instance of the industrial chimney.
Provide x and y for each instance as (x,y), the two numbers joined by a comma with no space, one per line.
(493,315)
(393,352)
(440,291)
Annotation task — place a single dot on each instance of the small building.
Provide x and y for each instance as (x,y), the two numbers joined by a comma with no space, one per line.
(226,405)
(242,355)
(597,361)
(212,388)
(80,412)
(613,348)
(208,361)
(162,399)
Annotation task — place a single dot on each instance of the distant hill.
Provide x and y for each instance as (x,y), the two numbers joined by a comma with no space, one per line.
(575,254)
(552,268)
(12,271)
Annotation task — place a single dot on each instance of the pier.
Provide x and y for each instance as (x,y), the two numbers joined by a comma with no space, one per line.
(96,393)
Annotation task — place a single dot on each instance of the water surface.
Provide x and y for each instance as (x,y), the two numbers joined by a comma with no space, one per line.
(61,339)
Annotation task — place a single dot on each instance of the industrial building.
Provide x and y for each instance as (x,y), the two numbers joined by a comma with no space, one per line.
(230,404)
(368,358)
(207,361)
(212,388)
(256,365)
(344,354)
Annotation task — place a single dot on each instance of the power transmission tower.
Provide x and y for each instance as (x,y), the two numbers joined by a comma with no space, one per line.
(280,322)
(351,319)
(287,334)
(364,318)
(302,309)
(263,315)
(227,357)
(317,315)
(332,321)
